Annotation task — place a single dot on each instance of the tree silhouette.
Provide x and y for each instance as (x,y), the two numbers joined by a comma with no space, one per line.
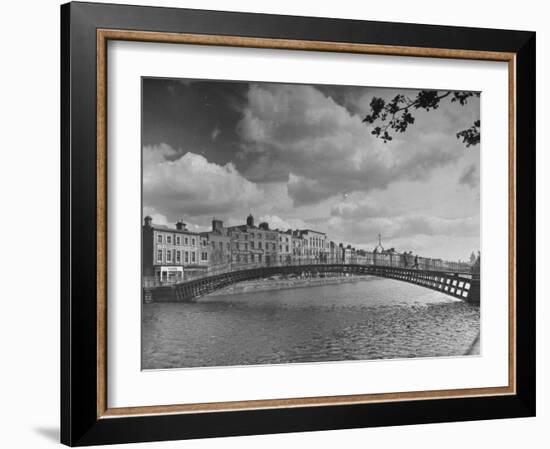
(395,115)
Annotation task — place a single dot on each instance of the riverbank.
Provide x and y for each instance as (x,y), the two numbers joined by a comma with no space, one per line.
(287,283)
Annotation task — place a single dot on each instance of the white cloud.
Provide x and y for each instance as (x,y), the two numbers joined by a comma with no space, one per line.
(155,216)
(404,226)
(432,236)
(157,154)
(190,185)
(298,135)
(276,222)
(365,208)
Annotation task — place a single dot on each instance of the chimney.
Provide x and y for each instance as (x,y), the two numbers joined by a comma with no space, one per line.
(181,226)
(147,221)
(217,225)
(250,221)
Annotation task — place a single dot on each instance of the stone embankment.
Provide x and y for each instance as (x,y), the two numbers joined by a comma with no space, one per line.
(284,283)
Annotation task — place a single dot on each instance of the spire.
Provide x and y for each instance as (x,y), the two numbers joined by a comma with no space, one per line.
(379,248)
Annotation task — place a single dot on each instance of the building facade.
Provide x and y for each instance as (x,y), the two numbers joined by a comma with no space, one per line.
(171,254)
(285,247)
(175,254)
(218,241)
(335,252)
(315,247)
(297,248)
(251,244)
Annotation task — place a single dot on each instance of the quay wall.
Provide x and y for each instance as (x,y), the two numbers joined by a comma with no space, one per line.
(168,293)
(279,284)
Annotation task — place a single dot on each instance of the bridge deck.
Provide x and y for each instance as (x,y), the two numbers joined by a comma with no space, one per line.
(461,284)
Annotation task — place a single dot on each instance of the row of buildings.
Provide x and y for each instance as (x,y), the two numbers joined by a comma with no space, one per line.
(170,254)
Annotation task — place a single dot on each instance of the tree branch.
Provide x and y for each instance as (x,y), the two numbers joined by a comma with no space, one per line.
(395,114)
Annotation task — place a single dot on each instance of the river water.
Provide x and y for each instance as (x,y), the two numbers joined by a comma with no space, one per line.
(368,319)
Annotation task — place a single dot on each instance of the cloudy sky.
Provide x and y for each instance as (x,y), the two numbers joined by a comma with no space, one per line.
(298,156)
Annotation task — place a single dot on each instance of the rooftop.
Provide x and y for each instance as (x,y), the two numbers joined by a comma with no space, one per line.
(159,227)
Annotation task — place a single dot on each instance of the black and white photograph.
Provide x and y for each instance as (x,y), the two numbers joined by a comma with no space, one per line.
(292,223)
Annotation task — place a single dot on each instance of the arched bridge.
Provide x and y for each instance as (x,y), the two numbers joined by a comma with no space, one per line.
(458,283)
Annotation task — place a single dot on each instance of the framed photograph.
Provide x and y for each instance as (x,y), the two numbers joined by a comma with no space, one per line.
(281,224)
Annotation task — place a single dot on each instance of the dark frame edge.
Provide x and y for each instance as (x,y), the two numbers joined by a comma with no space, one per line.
(78,229)
(136,429)
(65,284)
(526,225)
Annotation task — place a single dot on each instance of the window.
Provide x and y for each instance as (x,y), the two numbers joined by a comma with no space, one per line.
(259,257)
(169,239)
(186,240)
(246,246)
(178,240)
(204,256)
(193,242)
(259,245)
(168,256)
(221,245)
(178,257)
(251,245)
(159,238)
(193,257)
(159,254)
(228,246)
(186,257)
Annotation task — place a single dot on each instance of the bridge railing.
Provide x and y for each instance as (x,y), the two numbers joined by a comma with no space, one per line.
(395,260)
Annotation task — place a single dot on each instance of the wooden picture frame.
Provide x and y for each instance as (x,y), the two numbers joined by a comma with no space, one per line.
(85,417)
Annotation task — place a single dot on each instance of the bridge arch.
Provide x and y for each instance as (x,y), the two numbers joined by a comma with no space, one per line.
(459,285)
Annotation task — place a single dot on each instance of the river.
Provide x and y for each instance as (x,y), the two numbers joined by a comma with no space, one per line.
(368,319)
